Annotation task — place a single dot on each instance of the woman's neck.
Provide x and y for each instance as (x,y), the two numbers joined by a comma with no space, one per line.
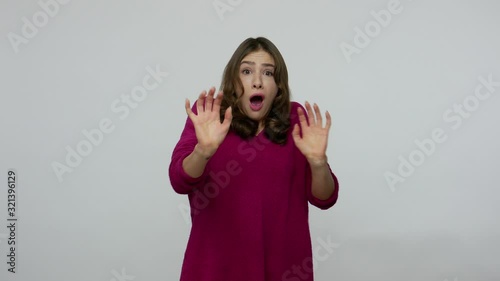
(260,128)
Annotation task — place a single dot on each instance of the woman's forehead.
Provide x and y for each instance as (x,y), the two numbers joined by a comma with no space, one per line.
(258,57)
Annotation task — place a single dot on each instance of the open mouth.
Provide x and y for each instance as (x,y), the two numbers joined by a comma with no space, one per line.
(256,102)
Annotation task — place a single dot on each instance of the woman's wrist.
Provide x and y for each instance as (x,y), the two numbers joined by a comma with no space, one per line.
(318,162)
(202,152)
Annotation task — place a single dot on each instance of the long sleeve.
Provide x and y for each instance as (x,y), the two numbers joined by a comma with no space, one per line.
(181,182)
(254,196)
(322,204)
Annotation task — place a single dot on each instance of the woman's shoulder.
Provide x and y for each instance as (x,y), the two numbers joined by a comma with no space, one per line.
(295,105)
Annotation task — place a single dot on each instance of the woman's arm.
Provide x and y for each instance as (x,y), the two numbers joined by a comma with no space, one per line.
(210,132)
(312,140)
(322,185)
(194,164)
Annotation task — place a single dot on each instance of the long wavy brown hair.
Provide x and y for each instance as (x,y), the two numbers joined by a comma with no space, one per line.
(277,121)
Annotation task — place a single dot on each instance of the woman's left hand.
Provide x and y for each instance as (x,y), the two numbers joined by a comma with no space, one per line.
(314,138)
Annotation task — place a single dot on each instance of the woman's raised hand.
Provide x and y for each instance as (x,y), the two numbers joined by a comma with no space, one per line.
(314,138)
(210,132)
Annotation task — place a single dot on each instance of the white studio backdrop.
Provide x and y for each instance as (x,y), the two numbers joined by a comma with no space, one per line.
(92,104)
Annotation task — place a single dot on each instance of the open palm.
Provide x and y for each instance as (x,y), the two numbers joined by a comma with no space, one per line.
(314,138)
(210,132)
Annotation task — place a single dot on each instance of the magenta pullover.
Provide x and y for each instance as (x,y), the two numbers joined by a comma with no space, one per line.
(249,209)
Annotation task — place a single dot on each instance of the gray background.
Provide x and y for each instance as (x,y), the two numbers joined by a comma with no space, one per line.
(116,211)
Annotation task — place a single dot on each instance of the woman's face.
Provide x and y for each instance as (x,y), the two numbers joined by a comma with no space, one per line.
(259,88)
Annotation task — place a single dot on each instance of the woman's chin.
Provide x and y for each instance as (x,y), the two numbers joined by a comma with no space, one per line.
(256,115)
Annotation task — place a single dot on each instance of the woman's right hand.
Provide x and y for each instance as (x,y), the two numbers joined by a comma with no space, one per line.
(210,132)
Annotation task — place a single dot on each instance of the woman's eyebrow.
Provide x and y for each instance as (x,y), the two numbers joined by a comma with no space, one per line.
(253,63)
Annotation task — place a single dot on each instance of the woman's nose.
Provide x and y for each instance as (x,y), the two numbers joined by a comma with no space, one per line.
(257,82)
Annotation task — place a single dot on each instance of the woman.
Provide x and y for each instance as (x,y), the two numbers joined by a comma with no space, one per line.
(250,160)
